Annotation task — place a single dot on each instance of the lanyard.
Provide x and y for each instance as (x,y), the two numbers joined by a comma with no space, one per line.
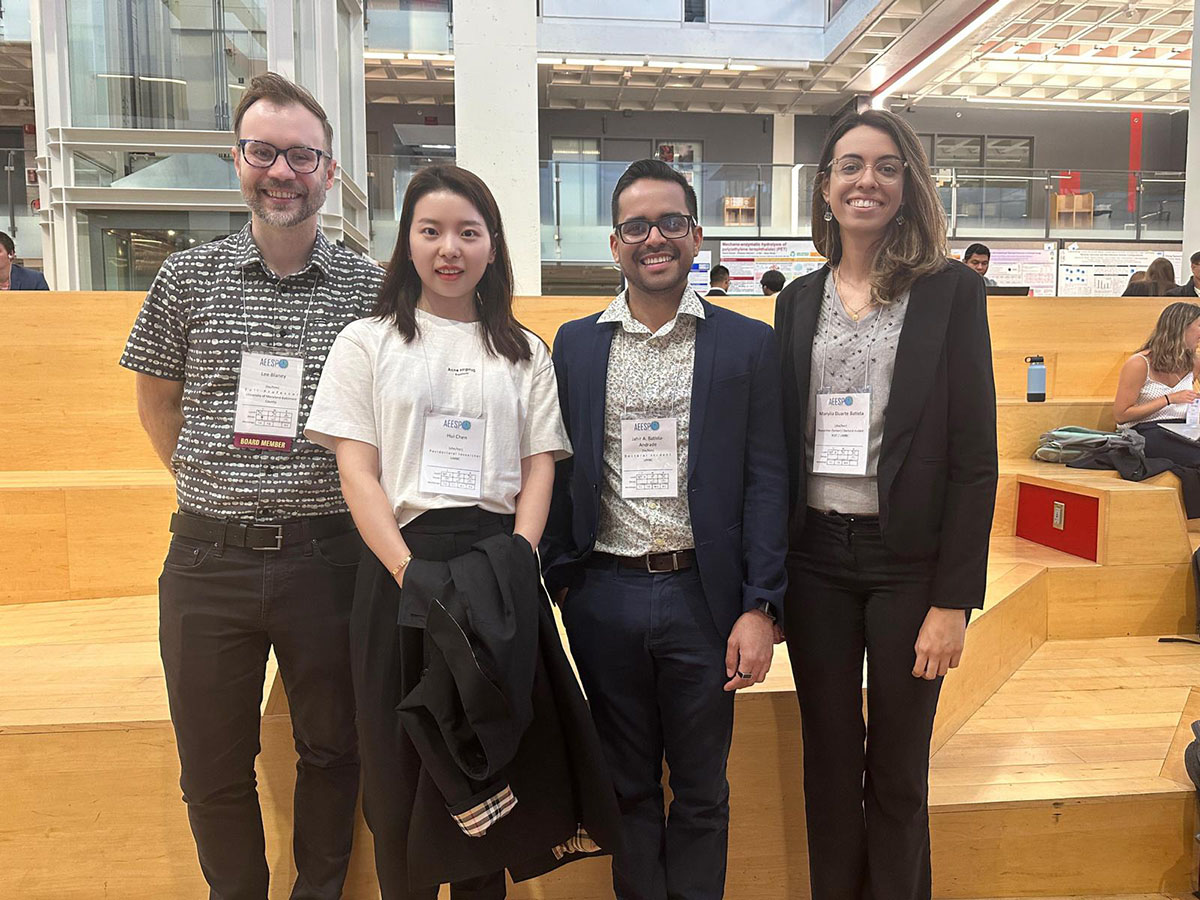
(275,310)
(832,296)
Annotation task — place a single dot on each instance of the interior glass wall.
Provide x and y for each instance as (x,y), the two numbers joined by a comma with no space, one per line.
(177,64)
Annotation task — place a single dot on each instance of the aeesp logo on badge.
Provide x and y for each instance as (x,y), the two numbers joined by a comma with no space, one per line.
(645,426)
(841,401)
(458,424)
(270,363)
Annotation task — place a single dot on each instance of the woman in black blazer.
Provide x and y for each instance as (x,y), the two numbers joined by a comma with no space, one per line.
(890,416)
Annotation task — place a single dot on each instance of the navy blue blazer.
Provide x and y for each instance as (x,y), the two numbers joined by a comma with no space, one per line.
(736,467)
(23,279)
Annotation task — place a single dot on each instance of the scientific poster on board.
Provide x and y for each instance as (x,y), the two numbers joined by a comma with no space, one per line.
(1032,266)
(1104,271)
(748,260)
(698,276)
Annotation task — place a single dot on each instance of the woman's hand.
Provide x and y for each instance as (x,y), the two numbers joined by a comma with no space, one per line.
(940,642)
(1184,396)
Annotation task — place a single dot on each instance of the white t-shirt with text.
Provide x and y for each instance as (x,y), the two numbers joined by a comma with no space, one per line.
(378,389)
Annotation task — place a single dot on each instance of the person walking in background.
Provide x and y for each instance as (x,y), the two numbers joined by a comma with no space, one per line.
(1159,281)
(666,540)
(718,280)
(14,277)
(1189,289)
(979,258)
(772,282)
(891,440)
(228,349)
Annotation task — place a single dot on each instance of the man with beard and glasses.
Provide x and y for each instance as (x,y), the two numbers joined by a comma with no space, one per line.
(667,534)
(228,350)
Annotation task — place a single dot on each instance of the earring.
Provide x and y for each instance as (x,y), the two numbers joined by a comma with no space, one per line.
(828,217)
(900,216)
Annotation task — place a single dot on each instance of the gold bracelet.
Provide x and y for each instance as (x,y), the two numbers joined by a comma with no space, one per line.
(400,565)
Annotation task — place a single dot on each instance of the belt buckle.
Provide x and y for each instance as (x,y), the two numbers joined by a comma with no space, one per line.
(674,567)
(278,537)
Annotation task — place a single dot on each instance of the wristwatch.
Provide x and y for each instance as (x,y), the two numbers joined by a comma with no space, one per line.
(765,607)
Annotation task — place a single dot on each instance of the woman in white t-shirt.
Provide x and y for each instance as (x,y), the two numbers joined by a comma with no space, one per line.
(443,413)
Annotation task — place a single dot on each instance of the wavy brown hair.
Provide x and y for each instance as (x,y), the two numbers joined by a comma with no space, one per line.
(397,302)
(909,251)
(1165,347)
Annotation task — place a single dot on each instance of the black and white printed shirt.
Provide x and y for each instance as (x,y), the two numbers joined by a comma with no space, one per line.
(192,329)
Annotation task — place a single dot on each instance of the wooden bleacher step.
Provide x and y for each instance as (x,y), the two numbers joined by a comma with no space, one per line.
(82,534)
(1075,767)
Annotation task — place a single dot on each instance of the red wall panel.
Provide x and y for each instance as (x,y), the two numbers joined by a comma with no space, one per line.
(1035,520)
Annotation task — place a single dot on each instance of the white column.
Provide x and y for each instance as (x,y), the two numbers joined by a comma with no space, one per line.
(496,119)
(783,155)
(1191,188)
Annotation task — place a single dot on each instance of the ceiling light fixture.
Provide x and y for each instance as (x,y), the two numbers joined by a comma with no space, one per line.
(1081,104)
(947,42)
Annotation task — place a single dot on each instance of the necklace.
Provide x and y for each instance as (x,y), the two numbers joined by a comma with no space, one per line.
(855,313)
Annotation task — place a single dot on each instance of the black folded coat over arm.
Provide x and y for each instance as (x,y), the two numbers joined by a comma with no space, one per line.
(506,741)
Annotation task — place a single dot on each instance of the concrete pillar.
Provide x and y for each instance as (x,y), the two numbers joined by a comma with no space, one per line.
(1191,188)
(783,155)
(496,119)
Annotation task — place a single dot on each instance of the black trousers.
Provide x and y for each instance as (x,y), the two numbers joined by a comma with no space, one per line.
(866,786)
(1162,443)
(221,609)
(385,659)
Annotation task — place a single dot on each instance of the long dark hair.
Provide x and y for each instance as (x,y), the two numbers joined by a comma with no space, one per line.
(908,251)
(397,302)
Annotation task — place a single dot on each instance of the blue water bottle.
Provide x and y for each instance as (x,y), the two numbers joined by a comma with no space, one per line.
(1035,381)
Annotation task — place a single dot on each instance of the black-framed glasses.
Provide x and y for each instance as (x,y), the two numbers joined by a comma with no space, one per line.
(262,155)
(850,169)
(674,226)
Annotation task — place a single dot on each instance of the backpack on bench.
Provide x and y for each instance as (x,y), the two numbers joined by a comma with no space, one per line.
(1073,442)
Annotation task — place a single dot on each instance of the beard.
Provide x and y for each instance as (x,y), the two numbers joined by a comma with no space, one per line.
(310,203)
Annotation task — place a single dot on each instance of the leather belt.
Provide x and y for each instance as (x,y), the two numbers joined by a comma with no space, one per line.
(654,563)
(257,536)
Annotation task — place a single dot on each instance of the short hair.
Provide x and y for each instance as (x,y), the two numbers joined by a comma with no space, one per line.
(656,170)
(976,250)
(718,273)
(276,89)
(1196,257)
(7,243)
(773,280)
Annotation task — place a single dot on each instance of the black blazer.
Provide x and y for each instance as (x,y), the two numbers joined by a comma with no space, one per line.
(938,466)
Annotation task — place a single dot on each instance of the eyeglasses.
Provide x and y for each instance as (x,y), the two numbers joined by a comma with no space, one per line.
(851,168)
(261,155)
(672,227)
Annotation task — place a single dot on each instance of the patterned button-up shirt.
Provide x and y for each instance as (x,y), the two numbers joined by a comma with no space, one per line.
(205,305)
(648,375)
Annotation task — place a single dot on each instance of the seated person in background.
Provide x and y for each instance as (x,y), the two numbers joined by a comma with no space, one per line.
(979,258)
(1156,384)
(1138,277)
(772,282)
(1160,280)
(14,277)
(718,281)
(1189,289)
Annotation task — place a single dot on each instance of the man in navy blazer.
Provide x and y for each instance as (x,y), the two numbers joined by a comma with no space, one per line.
(14,277)
(667,536)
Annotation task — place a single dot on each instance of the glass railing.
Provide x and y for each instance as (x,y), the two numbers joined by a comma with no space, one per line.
(747,200)
(405,25)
